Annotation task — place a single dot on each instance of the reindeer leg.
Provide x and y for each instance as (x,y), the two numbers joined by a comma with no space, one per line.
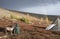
(5,31)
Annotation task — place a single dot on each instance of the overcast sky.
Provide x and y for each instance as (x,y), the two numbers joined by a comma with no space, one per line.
(50,7)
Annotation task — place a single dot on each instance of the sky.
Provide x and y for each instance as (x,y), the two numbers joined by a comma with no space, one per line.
(49,7)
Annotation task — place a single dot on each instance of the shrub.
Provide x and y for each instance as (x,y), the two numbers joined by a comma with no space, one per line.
(24,20)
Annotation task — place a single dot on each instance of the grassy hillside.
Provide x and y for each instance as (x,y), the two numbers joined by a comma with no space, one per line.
(36,30)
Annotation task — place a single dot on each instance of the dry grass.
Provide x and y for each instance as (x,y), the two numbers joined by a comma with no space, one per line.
(28,31)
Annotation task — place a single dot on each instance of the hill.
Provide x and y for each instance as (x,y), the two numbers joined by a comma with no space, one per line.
(36,30)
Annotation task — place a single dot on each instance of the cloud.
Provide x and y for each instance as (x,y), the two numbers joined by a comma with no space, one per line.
(51,9)
(35,6)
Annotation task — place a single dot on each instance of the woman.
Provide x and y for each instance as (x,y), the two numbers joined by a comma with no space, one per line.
(16,29)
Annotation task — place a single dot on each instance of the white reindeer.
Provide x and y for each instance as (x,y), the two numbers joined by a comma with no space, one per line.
(9,29)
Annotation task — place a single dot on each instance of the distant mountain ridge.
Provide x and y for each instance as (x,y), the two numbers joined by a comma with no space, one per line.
(52,17)
(7,12)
